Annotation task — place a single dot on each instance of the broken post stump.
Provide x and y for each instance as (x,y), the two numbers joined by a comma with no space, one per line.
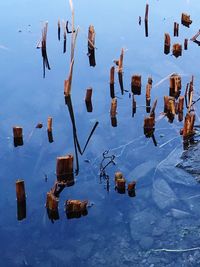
(112,82)
(91,46)
(120,183)
(188,130)
(185,20)
(149,123)
(136,84)
(176,29)
(120,71)
(88,100)
(76,208)
(113,112)
(18,136)
(175,85)
(146,20)
(180,108)
(167,44)
(64,170)
(177,50)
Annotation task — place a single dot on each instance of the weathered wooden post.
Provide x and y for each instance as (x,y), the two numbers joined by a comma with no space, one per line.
(49,129)
(76,208)
(112,82)
(21,200)
(113,112)
(185,20)
(167,44)
(91,46)
(146,20)
(136,84)
(65,170)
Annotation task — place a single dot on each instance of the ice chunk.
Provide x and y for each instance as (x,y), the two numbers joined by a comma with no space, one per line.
(162,194)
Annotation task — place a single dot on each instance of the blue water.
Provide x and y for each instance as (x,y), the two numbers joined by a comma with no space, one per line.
(118,230)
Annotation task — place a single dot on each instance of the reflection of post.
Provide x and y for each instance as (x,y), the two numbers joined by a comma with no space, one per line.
(146,20)
(186,44)
(113,112)
(112,81)
(18,136)
(49,129)
(59,30)
(21,200)
(134,106)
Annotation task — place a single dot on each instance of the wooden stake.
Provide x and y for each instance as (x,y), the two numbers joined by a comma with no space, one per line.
(91,45)
(49,129)
(167,44)
(176,29)
(120,71)
(88,100)
(20,191)
(131,189)
(113,112)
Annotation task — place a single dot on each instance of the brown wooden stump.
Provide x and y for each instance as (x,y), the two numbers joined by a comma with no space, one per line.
(131,189)
(176,29)
(185,20)
(177,50)
(76,208)
(136,84)
(49,129)
(64,170)
(20,190)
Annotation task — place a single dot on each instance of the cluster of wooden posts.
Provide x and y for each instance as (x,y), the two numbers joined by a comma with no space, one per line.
(177,47)
(173,105)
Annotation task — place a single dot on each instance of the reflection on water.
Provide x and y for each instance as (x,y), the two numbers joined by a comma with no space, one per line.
(157,227)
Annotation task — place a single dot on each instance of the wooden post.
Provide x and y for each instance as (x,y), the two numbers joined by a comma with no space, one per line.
(20,190)
(88,100)
(185,20)
(18,136)
(167,44)
(188,130)
(177,50)
(64,169)
(113,112)
(136,84)
(169,108)
(112,82)
(149,123)
(186,44)
(146,20)
(176,29)
(180,108)
(91,46)
(44,49)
